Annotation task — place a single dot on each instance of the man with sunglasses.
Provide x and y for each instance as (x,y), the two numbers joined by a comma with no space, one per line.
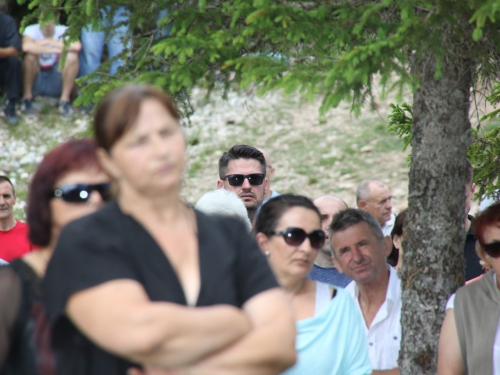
(242,169)
(13,233)
(361,250)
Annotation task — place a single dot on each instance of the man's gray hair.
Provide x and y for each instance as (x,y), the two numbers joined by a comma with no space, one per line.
(363,190)
(224,202)
(350,217)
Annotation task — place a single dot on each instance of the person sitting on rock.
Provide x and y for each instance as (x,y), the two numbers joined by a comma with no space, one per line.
(43,45)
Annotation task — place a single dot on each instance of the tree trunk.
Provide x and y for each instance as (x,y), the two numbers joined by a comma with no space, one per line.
(433,264)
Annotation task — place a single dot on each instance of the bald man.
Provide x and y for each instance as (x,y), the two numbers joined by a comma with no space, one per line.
(324,269)
(374,197)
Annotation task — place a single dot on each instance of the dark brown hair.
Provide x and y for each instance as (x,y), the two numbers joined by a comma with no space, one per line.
(118,111)
(398,228)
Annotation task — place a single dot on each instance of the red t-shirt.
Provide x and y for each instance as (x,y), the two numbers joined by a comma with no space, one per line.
(14,242)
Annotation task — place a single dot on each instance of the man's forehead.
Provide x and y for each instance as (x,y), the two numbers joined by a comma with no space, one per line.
(243,166)
(379,191)
(6,188)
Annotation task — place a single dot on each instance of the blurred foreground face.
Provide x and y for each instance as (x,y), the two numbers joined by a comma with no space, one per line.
(149,158)
(62,211)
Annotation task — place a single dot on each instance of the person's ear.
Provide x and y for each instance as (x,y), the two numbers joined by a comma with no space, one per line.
(387,245)
(263,242)
(265,186)
(473,189)
(220,184)
(108,164)
(396,241)
(362,204)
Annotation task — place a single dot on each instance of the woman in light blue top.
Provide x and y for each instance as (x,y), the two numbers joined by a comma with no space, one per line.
(330,337)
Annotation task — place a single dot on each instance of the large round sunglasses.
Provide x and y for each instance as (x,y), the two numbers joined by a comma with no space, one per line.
(295,236)
(254,179)
(80,193)
(492,249)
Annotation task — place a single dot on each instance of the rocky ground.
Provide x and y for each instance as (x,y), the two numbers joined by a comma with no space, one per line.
(312,154)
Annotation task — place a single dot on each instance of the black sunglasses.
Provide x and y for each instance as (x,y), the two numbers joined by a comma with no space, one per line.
(255,179)
(80,193)
(492,249)
(295,236)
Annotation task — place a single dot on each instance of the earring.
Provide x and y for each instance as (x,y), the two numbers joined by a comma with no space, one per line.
(266,253)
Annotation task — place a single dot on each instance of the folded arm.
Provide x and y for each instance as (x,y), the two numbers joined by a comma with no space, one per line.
(45,46)
(268,349)
(119,317)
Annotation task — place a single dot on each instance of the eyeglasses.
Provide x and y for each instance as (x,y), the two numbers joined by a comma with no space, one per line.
(255,179)
(80,193)
(295,236)
(492,249)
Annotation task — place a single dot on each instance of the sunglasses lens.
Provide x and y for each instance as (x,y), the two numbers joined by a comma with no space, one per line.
(79,193)
(492,249)
(256,179)
(317,239)
(73,193)
(104,190)
(294,236)
(236,179)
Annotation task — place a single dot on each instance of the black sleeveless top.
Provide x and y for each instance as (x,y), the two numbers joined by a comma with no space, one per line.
(25,330)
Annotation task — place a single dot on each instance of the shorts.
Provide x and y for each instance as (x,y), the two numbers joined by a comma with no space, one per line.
(48,82)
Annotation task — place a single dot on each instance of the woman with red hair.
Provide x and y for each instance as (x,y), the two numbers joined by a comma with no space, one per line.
(69,183)
(470,334)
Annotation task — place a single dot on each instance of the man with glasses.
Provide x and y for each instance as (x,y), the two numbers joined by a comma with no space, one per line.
(242,169)
(13,233)
(374,197)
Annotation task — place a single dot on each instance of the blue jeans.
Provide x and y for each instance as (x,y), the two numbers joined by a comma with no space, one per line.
(93,42)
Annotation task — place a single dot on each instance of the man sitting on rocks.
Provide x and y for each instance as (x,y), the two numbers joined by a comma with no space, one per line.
(10,65)
(42,75)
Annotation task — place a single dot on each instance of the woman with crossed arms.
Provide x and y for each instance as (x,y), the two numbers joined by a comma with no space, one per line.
(147,280)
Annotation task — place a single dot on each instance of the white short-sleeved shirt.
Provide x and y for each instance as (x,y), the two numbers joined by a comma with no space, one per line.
(384,334)
(46,60)
(496,344)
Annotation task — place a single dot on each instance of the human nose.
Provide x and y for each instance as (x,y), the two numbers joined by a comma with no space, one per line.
(95,199)
(357,256)
(246,184)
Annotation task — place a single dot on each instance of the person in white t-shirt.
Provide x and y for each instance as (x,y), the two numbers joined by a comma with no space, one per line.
(42,75)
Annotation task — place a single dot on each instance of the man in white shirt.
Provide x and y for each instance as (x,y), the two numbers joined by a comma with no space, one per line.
(360,250)
(43,45)
(374,197)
